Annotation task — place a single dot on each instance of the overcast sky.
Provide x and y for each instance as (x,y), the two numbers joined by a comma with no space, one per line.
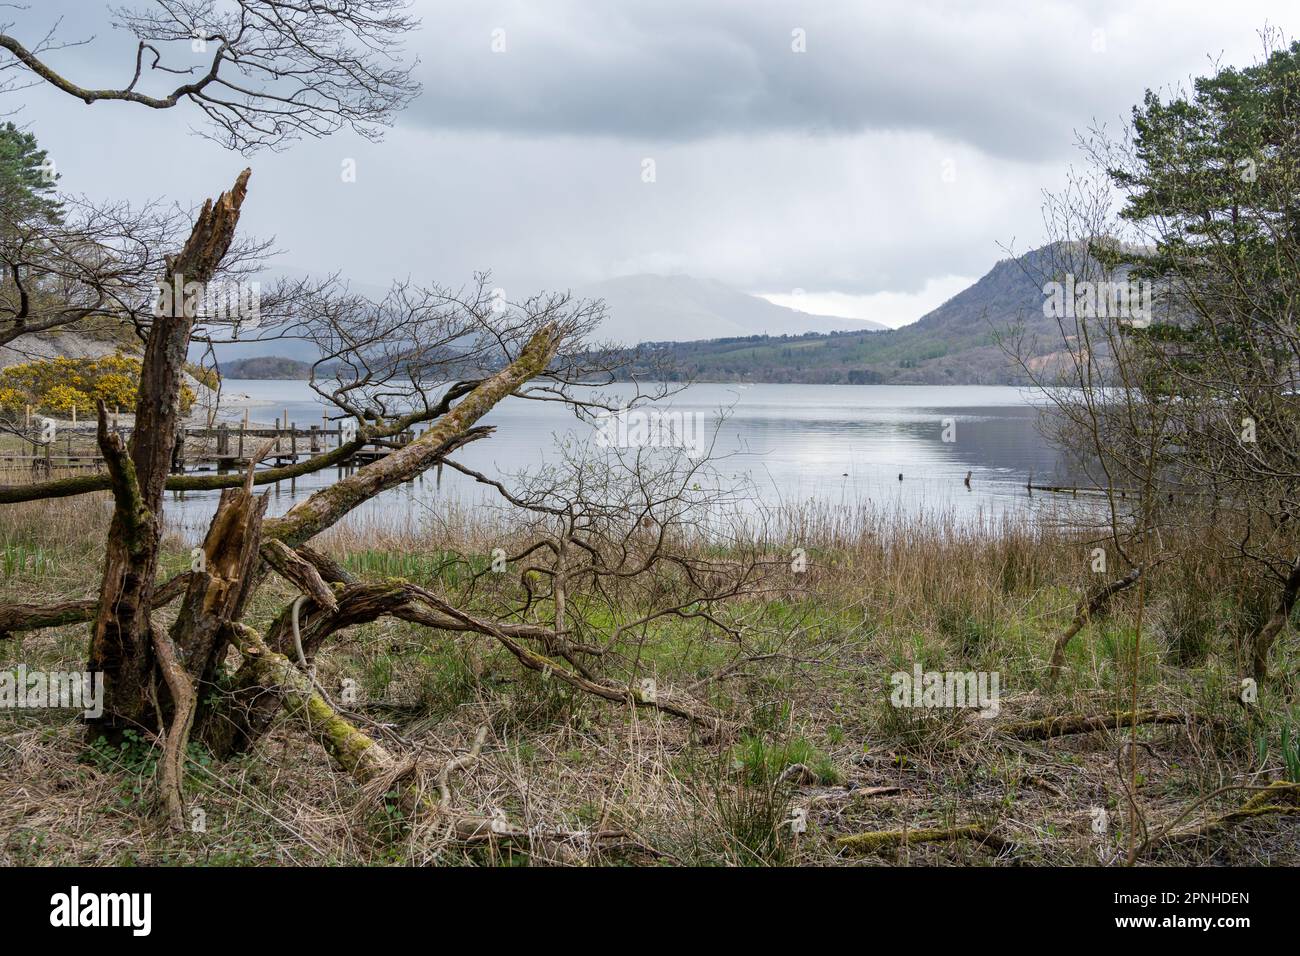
(875,174)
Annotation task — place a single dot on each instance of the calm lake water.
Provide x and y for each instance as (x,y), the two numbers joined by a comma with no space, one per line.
(834,444)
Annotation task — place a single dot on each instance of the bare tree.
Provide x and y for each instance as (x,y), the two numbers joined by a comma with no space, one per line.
(262,72)
(432,361)
(101,261)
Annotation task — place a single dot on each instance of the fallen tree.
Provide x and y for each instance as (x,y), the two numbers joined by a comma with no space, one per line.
(425,360)
(599,537)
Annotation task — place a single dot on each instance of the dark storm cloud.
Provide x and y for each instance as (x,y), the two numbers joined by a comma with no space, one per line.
(1007,78)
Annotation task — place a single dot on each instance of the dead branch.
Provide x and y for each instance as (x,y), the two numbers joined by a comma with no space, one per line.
(312,516)
(1280,797)
(1088,608)
(459,763)
(299,572)
(1050,727)
(363,758)
(184,701)
(32,617)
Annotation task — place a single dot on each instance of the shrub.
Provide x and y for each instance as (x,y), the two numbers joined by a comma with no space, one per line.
(56,386)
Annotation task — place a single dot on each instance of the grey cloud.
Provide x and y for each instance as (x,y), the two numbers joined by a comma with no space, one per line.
(1013,79)
(775,170)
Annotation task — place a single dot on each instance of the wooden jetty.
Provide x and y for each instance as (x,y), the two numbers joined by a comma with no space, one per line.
(221,447)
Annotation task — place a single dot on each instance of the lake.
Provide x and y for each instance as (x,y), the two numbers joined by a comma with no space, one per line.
(833,444)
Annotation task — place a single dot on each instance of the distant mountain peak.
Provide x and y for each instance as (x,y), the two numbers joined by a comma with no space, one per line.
(650,307)
(956,343)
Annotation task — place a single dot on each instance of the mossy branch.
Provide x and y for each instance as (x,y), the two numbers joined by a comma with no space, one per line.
(134,515)
(318,512)
(877,840)
(1281,797)
(31,617)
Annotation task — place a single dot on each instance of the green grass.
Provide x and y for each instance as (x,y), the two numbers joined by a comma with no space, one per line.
(762,761)
(21,559)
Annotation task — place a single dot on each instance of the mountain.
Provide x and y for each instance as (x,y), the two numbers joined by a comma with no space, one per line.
(954,344)
(680,308)
(710,332)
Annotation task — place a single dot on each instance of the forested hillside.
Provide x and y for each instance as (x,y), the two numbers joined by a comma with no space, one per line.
(956,344)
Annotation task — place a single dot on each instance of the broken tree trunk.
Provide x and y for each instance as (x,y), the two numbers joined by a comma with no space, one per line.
(220,582)
(121,645)
(253,704)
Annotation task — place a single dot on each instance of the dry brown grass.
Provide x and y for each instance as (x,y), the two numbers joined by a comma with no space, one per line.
(879,595)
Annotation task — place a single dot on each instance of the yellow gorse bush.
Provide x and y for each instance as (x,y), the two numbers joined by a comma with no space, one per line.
(56,386)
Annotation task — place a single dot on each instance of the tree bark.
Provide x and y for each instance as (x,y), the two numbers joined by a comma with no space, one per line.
(217,593)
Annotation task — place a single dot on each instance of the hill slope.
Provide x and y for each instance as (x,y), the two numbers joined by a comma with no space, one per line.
(954,344)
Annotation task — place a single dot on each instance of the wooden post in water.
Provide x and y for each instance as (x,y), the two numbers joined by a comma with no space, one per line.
(315,440)
(178,453)
(223,446)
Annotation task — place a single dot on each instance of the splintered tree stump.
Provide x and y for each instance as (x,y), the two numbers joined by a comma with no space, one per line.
(221,582)
(122,645)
